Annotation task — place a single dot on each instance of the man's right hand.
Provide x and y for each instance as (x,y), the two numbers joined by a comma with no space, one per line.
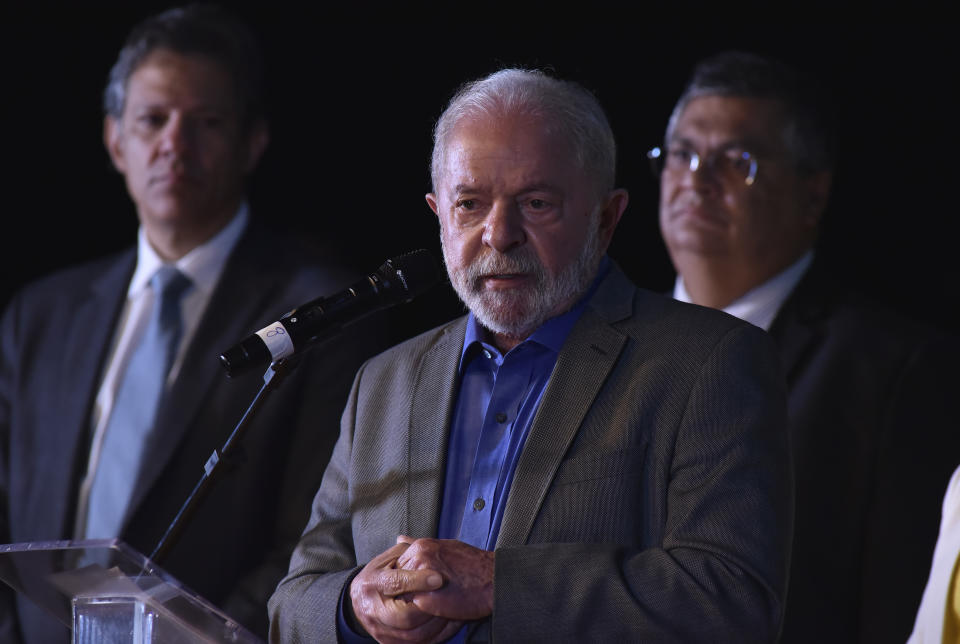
(380,608)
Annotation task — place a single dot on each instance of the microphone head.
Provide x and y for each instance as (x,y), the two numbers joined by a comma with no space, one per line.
(411,273)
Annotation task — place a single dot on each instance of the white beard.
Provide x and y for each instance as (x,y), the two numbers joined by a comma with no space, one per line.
(518,312)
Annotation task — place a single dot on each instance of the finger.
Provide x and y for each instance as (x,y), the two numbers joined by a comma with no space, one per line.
(388,558)
(379,614)
(449,605)
(425,553)
(418,554)
(391,582)
(402,538)
(401,615)
(434,630)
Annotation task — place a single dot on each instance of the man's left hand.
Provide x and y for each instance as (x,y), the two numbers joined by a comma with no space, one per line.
(468,571)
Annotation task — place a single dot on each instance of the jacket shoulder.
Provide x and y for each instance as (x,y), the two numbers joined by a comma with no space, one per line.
(46,292)
(656,315)
(412,350)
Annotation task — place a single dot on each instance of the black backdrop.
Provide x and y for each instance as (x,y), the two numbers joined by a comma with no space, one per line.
(353,94)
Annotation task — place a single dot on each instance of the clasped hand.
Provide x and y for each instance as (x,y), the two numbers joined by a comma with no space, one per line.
(423,590)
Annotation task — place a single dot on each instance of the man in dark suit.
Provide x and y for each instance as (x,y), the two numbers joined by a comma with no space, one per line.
(746,171)
(184,126)
(576,459)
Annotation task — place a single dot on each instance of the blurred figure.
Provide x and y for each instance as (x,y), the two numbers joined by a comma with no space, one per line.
(111,394)
(938,620)
(746,170)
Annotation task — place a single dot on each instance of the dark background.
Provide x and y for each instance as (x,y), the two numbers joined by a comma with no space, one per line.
(353,94)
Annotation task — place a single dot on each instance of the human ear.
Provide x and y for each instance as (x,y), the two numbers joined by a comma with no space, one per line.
(817,191)
(433,203)
(113,141)
(611,210)
(257,140)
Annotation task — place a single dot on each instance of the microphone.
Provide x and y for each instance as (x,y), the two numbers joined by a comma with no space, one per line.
(397,280)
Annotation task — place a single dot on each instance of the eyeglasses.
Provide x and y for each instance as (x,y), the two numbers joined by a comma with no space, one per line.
(734,165)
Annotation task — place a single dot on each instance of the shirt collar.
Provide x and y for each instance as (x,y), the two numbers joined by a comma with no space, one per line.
(551,334)
(759,305)
(202,265)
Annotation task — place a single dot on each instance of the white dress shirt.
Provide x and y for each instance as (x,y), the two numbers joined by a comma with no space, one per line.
(759,305)
(203,265)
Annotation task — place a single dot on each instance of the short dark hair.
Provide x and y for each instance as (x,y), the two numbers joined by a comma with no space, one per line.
(204,29)
(810,133)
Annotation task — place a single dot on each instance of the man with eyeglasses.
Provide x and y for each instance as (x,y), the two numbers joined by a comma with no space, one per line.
(746,171)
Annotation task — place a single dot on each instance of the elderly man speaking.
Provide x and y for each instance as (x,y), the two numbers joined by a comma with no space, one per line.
(576,458)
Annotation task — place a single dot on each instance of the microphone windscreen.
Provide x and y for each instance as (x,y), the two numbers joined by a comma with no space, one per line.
(415,271)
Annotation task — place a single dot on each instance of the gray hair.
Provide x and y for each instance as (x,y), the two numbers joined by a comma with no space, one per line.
(809,134)
(207,30)
(567,107)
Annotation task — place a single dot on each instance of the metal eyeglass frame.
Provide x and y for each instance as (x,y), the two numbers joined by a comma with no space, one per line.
(656,156)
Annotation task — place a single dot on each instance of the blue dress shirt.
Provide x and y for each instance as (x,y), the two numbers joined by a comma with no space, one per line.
(499,396)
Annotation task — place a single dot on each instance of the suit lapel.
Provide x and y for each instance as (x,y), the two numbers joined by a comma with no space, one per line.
(223,322)
(794,337)
(796,329)
(434,394)
(583,365)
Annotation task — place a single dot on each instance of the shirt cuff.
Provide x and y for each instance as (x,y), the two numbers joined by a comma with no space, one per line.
(346,634)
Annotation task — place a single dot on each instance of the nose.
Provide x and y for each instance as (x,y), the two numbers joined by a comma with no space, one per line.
(175,138)
(503,228)
(701,177)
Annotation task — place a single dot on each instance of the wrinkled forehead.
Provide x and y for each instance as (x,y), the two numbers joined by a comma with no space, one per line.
(523,143)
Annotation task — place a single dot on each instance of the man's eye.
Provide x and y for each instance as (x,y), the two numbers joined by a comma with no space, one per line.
(466,204)
(538,206)
(679,158)
(152,120)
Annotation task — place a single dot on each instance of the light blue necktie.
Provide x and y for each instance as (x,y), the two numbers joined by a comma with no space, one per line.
(135,408)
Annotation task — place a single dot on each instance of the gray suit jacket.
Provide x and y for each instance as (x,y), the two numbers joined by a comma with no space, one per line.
(652,500)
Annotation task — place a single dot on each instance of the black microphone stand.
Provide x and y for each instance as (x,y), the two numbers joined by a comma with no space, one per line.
(214,466)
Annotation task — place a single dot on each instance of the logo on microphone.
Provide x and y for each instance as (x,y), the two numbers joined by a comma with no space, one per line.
(278,330)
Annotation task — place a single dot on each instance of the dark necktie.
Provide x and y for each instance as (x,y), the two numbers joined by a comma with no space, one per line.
(135,408)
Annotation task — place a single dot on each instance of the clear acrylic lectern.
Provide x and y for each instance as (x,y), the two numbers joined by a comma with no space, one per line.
(105,591)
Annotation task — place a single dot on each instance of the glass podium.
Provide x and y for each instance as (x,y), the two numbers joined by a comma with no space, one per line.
(104,591)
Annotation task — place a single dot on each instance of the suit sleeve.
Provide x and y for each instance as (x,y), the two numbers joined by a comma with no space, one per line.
(304,606)
(715,567)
